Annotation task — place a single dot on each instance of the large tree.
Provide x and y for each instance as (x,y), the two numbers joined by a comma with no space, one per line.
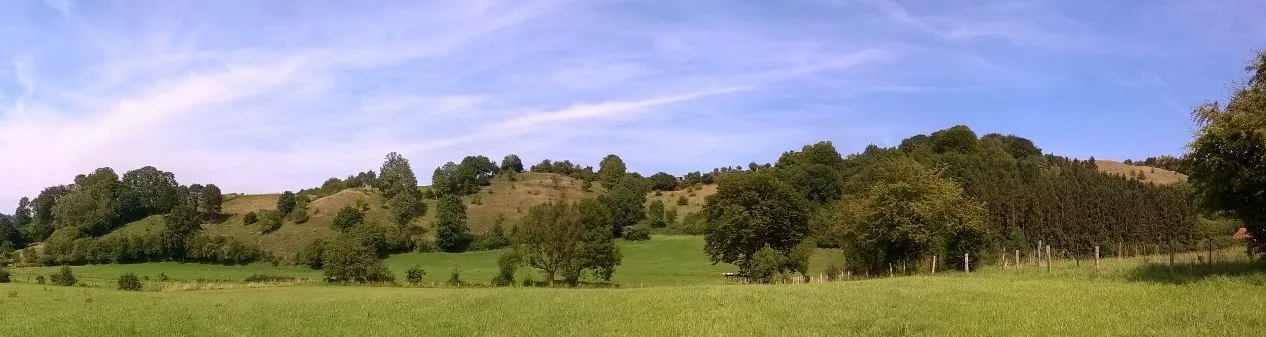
(400,186)
(512,163)
(611,170)
(752,210)
(451,233)
(154,191)
(1228,155)
(212,201)
(90,206)
(663,182)
(286,202)
(625,199)
(568,239)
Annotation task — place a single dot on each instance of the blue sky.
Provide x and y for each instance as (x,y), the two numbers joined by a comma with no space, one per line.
(260,96)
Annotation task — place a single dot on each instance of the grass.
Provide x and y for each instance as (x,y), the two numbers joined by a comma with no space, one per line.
(667,287)
(951,304)
(1156,175)
(149,225)
(694,203)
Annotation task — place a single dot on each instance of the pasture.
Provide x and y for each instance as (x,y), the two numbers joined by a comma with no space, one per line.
(666,287)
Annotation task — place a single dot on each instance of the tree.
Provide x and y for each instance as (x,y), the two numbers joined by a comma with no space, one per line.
(507,264)
(347,218)
(300,213)
(90,205)
(1228,154)
(562,238)
(451,233)
(655,214)
(182,223)
(347,260)
(286,202)
(65,278)
(129,282)
(152,190)
(512,163)
(212,201)
(625,200)
(611,170)
(750,211)
(400,186)
(663,182)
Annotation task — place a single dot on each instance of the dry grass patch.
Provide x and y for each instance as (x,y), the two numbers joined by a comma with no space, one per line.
(1151,174)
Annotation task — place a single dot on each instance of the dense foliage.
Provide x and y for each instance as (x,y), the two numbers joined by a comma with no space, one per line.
(569,239)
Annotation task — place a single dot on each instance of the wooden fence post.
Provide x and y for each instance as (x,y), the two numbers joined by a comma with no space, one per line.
(1017,258)
(1048,258)
(1096,257)
(967,262)
(933,264)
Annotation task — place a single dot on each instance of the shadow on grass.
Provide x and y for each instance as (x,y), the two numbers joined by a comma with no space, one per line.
(1187,273)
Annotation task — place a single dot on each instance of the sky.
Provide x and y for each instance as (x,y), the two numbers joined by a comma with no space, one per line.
(264,96)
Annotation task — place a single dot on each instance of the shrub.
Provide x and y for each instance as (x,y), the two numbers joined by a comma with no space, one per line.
(311,255)
(507,263)
(683,201)
(4,275)
(162,277)
(834,272)
(425,245)
(495,239)
(64,277)
(347,218)
(268,278)
(659,193)
(39,279)
(250,218)
(269,221)
(637,233)
(455,277)
(129,282)
(528,282)
(348,260)
(415,275)
(766,264)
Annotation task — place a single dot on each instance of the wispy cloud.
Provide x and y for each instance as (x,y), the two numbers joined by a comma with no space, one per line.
(264,96)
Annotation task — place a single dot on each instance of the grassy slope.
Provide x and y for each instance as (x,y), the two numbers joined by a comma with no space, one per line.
(292,237)
(149,225)
(923,305)
(694,198)
(1157,175)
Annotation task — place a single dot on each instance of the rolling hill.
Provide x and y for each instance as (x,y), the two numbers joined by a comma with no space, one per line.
(1150,174)
(504,201)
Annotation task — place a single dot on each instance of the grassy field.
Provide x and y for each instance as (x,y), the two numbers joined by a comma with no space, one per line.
(1156,175)
(987,304)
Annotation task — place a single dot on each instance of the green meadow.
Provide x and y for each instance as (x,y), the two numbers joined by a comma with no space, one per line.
(665,287)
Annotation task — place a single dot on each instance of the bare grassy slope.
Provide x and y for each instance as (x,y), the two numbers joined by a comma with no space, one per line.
(1156,175)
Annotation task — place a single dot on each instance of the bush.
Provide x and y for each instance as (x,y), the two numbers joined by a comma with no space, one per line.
(250,218)
(162,277)
(348,260)
(415,274)
(268,278)
(834,272)
(269,221)
(4,275)
(495,239)
(766,264)
(425,245)
(455,277)
(682,201)
(311,255)
(347,218)
(637,233)
(507,264)
(129,282)
(64,277)
(39,279)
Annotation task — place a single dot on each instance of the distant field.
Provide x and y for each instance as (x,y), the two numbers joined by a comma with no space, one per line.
(694,199)
(1156,175)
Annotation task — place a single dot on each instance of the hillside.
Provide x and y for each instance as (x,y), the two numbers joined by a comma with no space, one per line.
(503,201)
(1150,174)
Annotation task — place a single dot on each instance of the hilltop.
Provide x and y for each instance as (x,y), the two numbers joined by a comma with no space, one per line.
(1150,174)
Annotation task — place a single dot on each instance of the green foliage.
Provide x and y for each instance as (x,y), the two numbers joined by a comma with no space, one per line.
(348,218)
(568,239)
(4,275)
(683,201)
(750,211)
(311,255)
(507,264)
(512,164)
(90,205)
(611,170)
(286,202)
(268,278)
(299,214)
(415,274)
(1228,155)
(637,233)
(64,277)
(222,249)
(663,182)
(625,201)
(350,261)
(451,233)
(670,217)
(496,238)
(400,186)
(129,282)
(766,265)
(655,214)
(455,277)
(250,218)
(382,240)
(211,201)
(269,221)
